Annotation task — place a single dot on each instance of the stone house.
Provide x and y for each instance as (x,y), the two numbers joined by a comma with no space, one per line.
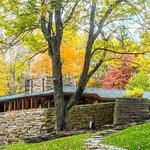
(32,114)
(39,94)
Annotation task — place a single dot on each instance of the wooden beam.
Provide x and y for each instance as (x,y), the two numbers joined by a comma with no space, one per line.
(26,103)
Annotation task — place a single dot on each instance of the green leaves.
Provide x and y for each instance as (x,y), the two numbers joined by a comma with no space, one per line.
(139,80)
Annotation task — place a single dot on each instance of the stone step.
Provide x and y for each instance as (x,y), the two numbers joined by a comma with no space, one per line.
(94,142)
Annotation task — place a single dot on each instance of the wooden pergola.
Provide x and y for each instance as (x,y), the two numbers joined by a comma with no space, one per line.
(43,101)
(28,103)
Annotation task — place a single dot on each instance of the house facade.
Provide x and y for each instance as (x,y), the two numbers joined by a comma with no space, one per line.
(39,93)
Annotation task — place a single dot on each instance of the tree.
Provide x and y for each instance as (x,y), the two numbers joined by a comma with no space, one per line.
(52,17)
(117,77)
(139,80)
(4,75)
(71,66)
(72,63)
(18,69)
(96,29)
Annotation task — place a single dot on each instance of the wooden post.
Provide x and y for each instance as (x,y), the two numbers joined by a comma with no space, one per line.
(26,103)
(4,107)
(14,105)
(22,103)
(31,103)
(18,107)
(43,86)
(49,103)
(9,107)
(31,86)
(36,103)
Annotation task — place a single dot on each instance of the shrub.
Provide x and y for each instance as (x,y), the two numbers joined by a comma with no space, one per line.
(136,92)
(139,80)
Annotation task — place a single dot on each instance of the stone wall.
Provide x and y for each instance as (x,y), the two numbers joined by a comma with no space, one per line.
(129,110)
(15,126)
(80,116)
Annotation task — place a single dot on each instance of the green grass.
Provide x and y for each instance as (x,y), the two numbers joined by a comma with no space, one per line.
(75,142)
(132,138)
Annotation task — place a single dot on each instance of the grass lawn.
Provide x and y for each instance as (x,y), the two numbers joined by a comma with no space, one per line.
(75,142)
(132,138)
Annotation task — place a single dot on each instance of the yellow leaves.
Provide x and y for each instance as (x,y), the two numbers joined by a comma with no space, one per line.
(36,41)
(20,66)
(144,62)
(3,77)
(136,92)
(44,9)
(91,82)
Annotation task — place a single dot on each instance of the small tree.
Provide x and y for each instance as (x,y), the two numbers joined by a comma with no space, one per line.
(117,77)
(139,80)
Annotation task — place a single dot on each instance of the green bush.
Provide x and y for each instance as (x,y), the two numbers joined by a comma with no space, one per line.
(139,80)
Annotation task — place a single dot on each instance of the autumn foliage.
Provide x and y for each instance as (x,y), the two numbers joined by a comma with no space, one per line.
(117,77)
(3,77)
(72,62)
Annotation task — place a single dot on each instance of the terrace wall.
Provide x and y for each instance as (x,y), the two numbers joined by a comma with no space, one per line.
(130,110)
(17,125)
(80,116)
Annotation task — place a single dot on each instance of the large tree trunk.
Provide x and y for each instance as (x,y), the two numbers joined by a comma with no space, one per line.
(74,99)
(58,90)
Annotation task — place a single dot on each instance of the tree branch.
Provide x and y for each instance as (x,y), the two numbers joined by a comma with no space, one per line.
(97,65)
(104,18)
(41,52)
(112,51)
(71,13)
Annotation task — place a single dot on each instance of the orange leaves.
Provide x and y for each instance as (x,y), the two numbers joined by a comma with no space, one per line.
(72,63)
(42,66)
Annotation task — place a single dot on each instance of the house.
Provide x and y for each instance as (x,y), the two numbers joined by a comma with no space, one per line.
(39,93)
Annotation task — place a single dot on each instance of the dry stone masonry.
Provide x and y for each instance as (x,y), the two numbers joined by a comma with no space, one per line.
(18,125)
(100,114)
(130,110)
(15,126)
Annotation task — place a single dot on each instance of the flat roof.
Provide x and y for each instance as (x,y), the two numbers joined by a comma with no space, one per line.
(103,93)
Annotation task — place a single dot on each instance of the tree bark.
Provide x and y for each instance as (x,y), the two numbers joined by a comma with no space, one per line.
(58,90)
